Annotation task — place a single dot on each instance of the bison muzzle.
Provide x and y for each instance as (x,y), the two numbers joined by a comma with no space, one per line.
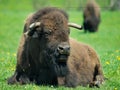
(47,56)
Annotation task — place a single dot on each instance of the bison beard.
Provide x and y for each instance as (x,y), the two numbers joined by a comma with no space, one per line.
(57,62)
(47,56)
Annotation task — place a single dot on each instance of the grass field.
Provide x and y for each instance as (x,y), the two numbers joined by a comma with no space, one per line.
(106,42)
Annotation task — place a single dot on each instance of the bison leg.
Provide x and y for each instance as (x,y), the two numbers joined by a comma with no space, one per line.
(20,75)
(71,80)
(99,80)
(12,79)
(24,79)
(18,79)
(61,81)
(98,77)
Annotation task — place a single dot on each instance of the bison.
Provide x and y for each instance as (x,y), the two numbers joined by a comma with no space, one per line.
(48,56)
(91,16)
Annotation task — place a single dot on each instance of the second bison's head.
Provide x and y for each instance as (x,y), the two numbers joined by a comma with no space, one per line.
(53,30)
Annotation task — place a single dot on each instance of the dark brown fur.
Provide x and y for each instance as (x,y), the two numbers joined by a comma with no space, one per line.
(91,16)
(37,59)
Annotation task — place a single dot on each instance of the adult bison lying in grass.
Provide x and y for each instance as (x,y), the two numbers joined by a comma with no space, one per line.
(47,56)
(91,16)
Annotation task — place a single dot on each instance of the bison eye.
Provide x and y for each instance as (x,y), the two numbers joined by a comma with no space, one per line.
(68,31)
(47,32)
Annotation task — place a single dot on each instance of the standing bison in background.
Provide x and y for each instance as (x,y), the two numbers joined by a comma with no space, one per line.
(91,16)
(47,56)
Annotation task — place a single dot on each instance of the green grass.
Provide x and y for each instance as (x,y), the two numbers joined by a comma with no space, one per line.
(106,42)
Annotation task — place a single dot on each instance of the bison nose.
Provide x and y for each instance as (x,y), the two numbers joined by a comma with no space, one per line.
(63,49)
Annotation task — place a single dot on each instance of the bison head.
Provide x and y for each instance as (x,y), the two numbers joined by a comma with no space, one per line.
(53,30)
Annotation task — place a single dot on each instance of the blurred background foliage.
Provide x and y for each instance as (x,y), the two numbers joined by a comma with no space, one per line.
(65,4)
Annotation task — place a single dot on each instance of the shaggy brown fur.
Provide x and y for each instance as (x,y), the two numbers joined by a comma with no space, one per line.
(91,16)
(53,58)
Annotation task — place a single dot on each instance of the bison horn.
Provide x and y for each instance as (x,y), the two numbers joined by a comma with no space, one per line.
(74,25)
(33,25)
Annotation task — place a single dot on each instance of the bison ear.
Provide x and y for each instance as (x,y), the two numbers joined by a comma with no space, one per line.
(32,30)
(31,34)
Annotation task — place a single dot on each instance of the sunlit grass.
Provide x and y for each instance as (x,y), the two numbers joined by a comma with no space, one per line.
(106,42)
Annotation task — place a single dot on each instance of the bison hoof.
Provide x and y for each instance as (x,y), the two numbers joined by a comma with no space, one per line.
(24,79)
(11,81)
(99,80)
